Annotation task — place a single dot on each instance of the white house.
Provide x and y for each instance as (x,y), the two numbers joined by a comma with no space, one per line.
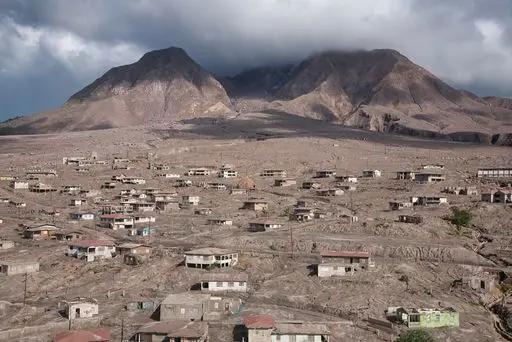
(19,185)
(81,308)
(81,216)
(210,257)
(116,221)
(372,173)
(347,179)
(191,200)
(224,282)
(91,250)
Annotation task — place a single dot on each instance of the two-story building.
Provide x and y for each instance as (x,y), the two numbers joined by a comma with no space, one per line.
(210,257)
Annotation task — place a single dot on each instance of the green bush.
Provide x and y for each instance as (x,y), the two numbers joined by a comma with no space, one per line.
(460,217)
(415,336)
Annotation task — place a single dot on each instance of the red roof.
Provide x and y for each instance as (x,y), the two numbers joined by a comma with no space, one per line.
(96,335)
(91,243)
(345,254)
(259,322)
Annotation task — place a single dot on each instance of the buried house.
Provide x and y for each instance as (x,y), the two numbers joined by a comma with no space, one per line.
(197,307)
(336,264)
(172,331)
(424,318)
(263,328)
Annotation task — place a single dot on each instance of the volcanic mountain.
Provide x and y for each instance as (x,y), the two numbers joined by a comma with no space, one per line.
(378,90)
(163,85)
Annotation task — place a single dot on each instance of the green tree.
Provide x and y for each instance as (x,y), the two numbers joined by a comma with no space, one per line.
(460,217)
(415,336)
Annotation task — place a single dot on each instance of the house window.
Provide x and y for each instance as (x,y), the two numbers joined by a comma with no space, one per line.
(311,338)
(293,338)
(231,284)
(278,337)
(182,311)
(218,284)
(241,283)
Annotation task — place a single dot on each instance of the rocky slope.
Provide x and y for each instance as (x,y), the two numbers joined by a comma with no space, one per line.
(378,90)
(163,85)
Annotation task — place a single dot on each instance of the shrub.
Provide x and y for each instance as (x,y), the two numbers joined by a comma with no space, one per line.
(460,217)
(415,336)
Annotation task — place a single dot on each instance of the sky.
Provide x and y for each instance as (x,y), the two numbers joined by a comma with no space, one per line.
(49,49)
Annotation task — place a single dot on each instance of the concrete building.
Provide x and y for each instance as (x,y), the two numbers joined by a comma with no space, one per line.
(224,282)
(143,218)
(217,186)
(91,250)
(346,179)
(133,248)
(263,328)
(302,214)
(6,244)
(190,200)
(172,331)
(200,171)
(116,221)
(409,175)
(498,196)
(133,180)
(425,318)
(410,219)
(284,182)
(433,166)
(427,178)
(219,222)
(210,257)
(399,205)
(495,173)
(228,173)
(76,202)
(262,226)
(311,185)
(255,204)
(274,173)
(372,173)
(81,216)
(334,264)
(19,185)
(41,188)
(18,267)
(325,173)
(41,232)
(167,205)
(197,307)
(428,200)
(203,211)
(81,308)
(329,192)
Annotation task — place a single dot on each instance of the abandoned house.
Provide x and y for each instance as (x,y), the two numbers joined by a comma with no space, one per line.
(167,205)
(163,196)
(498,196)
(483,281)
(325,173)
(41,232)
(6,244)
(336,264)
(133,248)
(433,166)
(19,185)
(200,171)
(69,189)
(274,173)
(216,186)
(372,173)
(495,173)
(76,202)
(172,331)
(224,282)
(410,219)
(68,235)
(346,179)
(428,200)
(255,204)
(81,216)
(42,173)
(116,221)
(311,185)
(15,267)
(399,205)
(108,185)
(263,226)
(197,306)
(228,173)
(425,318)
(17,204)
(81,308)
(134,180)
(263,328)
(41,188)
(210,257)
(141,218)
(302,214)
(203,211)
(427,178)
(168,175)
(190,200)
(329,192)
(219,222)
(181,183)
(143,207)
(284,182)
(237,191)
(405,175)
(91,250)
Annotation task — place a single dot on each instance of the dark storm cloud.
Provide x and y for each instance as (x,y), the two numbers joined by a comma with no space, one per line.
(52,48)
